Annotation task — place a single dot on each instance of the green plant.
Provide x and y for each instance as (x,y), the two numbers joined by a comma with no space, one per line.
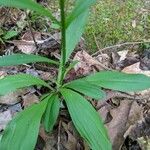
(22,132)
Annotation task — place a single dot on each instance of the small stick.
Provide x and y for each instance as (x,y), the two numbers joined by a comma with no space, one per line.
(58,139)
(99,50)
(117,46)
(31,31)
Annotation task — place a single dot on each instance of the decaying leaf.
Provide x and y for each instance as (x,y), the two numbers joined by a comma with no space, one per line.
(27,44)
(117,126)
(87,63)
(5,117)
(30,99)
(12,98)
(135,69)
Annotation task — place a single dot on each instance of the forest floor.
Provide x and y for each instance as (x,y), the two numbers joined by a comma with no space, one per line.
(117,37)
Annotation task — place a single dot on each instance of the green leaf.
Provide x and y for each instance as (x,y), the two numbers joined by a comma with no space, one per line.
(120,81)
(18,59)
(81,6)
(29,4)
(10,34)
(51,112)
(74,32)
(86,120)
(22,132)
(86,88)
(13,82)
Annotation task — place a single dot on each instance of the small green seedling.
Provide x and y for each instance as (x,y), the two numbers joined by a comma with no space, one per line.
(22,132)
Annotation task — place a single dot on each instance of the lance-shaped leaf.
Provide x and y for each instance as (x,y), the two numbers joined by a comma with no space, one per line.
(29,4)
(51,112)
(18,59)
(13,82)
(86,88)
(80,7)
(22,132)
(120,81)
(86,120)
(74,32)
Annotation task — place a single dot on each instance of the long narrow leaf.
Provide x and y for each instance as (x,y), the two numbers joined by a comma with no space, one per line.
(120,81)
(80,7)
(22,132)
(86,88)
(14,82)
(74,32)
(28,4)
(17,59)
(86,120)
(51,112)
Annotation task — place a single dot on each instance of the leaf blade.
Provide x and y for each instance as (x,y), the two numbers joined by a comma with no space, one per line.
(86,120)
(18,59)
(74,32)
(86,88)
(13,82)
(81,6)
(22,132)
(29,4)
(51,112)
(120,81)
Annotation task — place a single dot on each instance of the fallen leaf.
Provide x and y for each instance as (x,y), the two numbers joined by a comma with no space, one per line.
(87,63)
(27,44)
(5,117)
(135,69)
(30,99)
(117,126)
(11,98)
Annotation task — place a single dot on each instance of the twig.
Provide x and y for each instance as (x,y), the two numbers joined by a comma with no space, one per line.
(30,28)
(116,94)
(97,43)
(58,139)
(117,46)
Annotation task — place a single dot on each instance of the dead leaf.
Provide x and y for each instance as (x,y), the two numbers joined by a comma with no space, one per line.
(11,98)
(123,54)
(5,117)
(72,140)
(30,99)
(135,69)
(134,23)
(117,126)
(27,44)
(87,63)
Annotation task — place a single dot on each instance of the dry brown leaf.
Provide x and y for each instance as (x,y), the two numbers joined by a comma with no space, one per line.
(26,44)
(103,59)
(117,126)
(5,117)
(12,98)
(87,63)
(135,69)
(72,140)
(30,99)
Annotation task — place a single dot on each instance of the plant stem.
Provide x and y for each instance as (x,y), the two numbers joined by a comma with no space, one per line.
(63,44)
